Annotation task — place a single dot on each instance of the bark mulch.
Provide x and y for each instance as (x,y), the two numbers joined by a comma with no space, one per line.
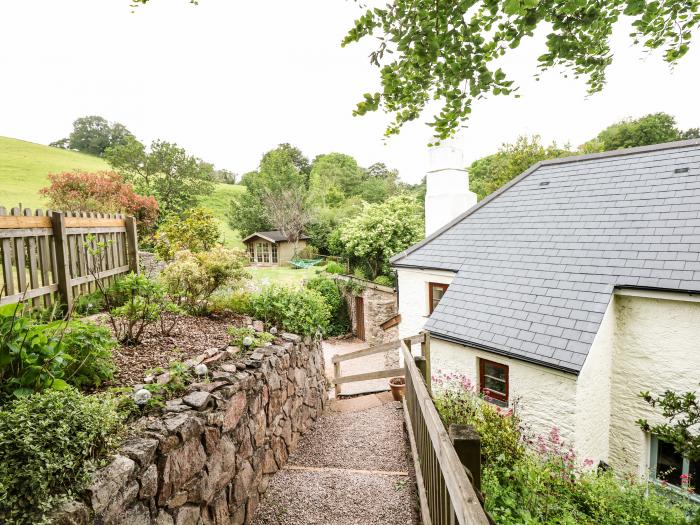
(191,337)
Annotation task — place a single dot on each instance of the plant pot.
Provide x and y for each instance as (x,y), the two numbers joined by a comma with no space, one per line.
(397,385)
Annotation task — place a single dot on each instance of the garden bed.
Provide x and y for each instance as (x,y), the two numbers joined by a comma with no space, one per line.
(192,336)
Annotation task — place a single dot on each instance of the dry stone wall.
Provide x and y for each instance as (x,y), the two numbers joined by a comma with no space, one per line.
(208,457)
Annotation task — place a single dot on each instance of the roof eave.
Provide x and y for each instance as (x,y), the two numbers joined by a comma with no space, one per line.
(499,351)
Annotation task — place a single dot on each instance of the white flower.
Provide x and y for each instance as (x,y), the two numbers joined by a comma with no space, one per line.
(247,341)
(273,330)
(201,369)
(142,396)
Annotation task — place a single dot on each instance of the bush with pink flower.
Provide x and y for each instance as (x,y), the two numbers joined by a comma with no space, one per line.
(537,479)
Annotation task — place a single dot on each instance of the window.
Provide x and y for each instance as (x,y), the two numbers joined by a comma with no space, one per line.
(274,253)
(435,293)
(263,251)
(493,382)
(251,251)
(669,466)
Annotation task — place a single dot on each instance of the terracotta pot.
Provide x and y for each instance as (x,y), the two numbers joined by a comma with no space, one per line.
(397,385)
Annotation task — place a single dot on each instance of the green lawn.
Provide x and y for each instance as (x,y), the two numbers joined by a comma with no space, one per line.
(282,275)
(218,202)
(24,167)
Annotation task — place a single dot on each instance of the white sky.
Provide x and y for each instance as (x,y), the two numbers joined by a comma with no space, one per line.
(229,80)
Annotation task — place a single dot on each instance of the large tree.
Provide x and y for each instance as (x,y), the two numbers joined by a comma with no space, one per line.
(450,50)
(381,231)
(176,179)
(93,135)
(654,128)
(489,173)
(281,169)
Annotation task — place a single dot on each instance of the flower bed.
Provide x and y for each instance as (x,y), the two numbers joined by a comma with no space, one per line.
(538,480)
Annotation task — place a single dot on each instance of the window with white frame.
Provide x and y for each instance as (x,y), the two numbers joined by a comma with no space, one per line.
(668,467)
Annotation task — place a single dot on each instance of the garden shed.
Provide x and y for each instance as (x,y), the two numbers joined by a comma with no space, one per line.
(271,248)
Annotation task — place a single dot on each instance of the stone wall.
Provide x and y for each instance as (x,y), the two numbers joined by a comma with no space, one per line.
(207,458)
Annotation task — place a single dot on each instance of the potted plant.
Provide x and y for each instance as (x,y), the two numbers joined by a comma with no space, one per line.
(397,385)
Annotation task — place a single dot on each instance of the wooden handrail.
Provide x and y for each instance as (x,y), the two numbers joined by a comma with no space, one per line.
(448,493)
(392,345)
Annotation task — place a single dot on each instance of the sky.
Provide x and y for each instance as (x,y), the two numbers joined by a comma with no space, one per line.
(229,80)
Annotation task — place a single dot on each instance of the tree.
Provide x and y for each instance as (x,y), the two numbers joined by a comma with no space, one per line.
(177,180)
(225,176)
(288,212)
(450,51)
(93,135)
(334,178)
(489,173)
(682,412)
(101,192)
(280,170)
(655,128)
(381,231)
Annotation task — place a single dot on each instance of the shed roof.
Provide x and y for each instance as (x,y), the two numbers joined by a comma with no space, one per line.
(272,236)
(538,261)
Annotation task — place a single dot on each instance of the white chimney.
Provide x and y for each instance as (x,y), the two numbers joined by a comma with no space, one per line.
(447,193)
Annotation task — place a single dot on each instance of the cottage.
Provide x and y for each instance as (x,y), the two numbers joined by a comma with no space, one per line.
(272,248)
(568,292)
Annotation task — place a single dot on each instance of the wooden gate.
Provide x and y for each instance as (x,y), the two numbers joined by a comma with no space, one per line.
(360,317)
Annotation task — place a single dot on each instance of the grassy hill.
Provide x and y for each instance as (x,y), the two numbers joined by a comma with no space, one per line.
(24,167)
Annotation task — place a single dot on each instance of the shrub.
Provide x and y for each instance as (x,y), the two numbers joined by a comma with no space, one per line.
(384,280)
(534,481)
(49,444)
(134,303)
(193,277)
(258,338)
(101,192)
(300,311)
(335,268)
(196,231)
(237,302)
(340,317)
(89,304)
(90,348)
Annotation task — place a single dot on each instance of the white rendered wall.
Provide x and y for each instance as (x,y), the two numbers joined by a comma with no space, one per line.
(544,398)
(657,348)
(413,297)
(593,391)
(447,188)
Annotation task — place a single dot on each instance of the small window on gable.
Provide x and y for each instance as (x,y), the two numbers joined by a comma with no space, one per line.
(493,382)
(435,293)
(671,468)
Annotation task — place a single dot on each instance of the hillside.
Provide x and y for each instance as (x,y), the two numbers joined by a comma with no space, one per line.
(24,167)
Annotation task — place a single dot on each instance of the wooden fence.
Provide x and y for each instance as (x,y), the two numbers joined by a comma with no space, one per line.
(45,259)
(445,490)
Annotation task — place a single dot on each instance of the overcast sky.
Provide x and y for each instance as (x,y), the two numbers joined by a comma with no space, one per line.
(229,80)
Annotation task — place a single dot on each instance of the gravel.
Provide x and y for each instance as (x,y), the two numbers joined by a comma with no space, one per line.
(332,498)
(370,439)
(373,440)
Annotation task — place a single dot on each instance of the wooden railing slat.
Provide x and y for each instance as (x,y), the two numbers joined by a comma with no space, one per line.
(392,345)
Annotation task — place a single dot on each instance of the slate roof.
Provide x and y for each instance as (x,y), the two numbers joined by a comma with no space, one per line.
(272,236)
(538,261)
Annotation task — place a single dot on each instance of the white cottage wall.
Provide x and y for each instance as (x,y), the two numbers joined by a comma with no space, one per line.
(413,297)
(657,348)
(593,387)
(543,398)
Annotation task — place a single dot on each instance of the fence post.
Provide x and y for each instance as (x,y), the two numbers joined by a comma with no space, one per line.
(425,351)
(467,443)
(421,364)
(336,372)
(132,244)
(60,241)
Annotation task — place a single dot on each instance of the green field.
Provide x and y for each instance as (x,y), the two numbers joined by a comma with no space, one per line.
(218,202)
(24,167)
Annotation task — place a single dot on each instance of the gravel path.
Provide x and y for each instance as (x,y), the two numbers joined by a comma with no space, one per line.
(353,468)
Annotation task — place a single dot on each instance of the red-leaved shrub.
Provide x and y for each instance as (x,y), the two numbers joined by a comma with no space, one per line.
(101,192)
